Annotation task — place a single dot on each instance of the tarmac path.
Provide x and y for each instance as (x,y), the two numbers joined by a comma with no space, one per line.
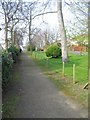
(39,96)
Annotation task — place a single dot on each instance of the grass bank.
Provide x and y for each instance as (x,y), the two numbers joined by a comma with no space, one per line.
(53,69)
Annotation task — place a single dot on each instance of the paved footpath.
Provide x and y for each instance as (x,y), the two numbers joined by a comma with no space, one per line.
(39,96)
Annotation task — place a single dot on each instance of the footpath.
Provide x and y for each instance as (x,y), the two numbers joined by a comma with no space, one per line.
(39,97)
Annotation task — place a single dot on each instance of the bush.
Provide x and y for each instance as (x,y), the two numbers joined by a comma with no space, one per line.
(53,51)
(6,68)
(15,52)
(8,57)
(31,47)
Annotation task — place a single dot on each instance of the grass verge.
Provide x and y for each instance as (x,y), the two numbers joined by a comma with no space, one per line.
(11,95)
(9,106)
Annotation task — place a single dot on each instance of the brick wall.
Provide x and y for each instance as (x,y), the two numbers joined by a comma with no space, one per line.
(78,48)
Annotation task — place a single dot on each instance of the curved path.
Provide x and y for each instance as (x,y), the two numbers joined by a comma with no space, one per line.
(39,96)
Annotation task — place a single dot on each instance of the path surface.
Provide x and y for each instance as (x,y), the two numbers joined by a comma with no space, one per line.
(39,96)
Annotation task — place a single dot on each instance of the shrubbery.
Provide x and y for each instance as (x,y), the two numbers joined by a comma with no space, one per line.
(53,51)
(8,58)
(6,68)
(14,51)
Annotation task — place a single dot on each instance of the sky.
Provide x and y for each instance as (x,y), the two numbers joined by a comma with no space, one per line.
(52,18)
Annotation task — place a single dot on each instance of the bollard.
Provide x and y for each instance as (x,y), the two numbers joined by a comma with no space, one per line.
(35,55)
(74,76)
(47,62)
(63,69)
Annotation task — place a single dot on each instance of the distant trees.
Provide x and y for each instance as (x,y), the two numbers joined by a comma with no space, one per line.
(43,38)
(27,15)
(18,36)
(38,39)
(77,30)
(79,25)
(30,11)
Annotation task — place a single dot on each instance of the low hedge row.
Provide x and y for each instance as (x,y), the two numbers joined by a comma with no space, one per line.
(9,57)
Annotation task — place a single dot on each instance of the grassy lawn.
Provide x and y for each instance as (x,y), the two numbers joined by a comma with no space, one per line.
(55,64)
(53,69)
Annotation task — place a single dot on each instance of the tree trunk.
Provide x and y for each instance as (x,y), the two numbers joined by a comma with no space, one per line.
(14,41)
(30,23)
(62,32)
(12,37)
(29,34)
(6,33)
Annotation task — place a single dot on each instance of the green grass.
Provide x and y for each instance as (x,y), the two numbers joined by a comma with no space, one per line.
(53,69)
(81,63)
(11,96)
(9,106)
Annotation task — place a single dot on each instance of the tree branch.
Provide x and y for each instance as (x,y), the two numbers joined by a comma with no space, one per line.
(14,12)
(43,14)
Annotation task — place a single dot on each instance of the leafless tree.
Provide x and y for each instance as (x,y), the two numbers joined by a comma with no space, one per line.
(79,9)
(9,10)
(30,11)
(18,36)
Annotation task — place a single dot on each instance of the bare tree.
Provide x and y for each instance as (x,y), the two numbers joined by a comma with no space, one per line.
(18,36)
(5,10)
(27,13)
(13,23)
(31,11)
(79,11)
(9,10)
(62,32)
(38,39)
